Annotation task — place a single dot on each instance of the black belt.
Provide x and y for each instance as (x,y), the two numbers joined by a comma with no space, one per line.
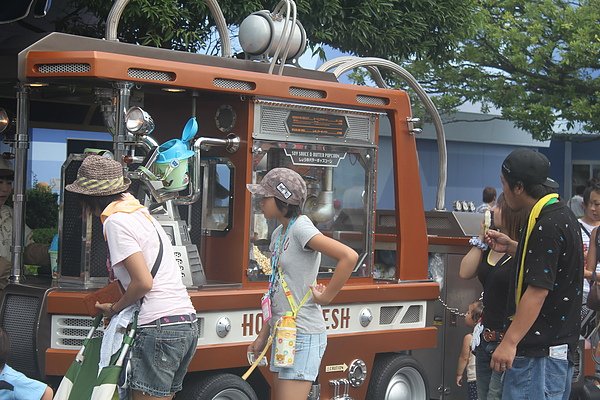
(171,320)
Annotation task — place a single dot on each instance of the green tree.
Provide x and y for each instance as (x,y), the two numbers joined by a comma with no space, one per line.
(537,61)
(42,207)
(405,28)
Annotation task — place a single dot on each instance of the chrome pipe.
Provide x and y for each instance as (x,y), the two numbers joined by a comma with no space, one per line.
(112,21)
(148,143)
(231,144)
(120,134)
(429,106)
(20,165)
(320,208)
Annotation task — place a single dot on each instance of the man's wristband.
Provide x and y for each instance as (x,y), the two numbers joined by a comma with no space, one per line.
(476,242)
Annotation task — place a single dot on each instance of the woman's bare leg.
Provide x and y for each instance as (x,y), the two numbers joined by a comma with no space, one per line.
(291,390)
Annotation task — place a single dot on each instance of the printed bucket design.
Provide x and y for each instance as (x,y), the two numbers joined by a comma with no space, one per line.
(285,347)
(174,174)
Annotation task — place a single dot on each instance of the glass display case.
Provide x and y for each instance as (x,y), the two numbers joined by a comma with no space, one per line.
(340,196)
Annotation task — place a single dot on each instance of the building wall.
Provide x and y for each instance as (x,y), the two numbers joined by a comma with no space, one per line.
(475,152)
(471,167)
(556,155)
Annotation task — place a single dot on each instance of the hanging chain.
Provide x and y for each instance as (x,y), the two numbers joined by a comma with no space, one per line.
(455,310)
(450,309)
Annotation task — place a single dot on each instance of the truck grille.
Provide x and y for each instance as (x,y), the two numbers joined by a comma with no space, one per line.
(62,68)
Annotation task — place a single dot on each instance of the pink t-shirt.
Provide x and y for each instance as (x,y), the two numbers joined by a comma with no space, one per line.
(129,233)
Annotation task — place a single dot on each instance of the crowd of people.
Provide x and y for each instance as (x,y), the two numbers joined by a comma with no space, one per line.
(141,259)
(535,265)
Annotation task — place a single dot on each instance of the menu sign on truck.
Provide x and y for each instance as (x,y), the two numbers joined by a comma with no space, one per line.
(315,158)
(304,123)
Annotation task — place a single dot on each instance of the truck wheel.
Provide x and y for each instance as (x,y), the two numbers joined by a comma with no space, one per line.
(397,377)
(217,387)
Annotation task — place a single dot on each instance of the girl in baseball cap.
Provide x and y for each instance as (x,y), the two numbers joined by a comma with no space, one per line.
(296,246)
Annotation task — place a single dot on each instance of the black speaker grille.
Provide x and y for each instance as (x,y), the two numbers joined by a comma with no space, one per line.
(98,250)
(70,249)
(20,322)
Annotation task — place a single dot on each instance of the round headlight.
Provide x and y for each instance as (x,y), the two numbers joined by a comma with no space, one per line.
(138,121)
(4,120)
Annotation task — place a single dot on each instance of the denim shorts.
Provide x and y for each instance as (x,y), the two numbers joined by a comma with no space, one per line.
(307,359)
(160,357)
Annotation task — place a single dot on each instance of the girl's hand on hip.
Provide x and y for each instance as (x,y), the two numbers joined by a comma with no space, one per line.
(318,292)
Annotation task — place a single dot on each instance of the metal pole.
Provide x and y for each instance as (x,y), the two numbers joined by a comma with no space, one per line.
(568,171)
(119,135)
(114,16)
(21,147)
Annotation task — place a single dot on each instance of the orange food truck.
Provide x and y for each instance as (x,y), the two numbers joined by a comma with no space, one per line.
(387,331)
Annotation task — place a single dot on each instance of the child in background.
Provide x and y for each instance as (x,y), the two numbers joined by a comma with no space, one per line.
(467,357)
(15,385)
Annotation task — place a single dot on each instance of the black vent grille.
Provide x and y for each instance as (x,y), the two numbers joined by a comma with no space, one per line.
(413,314)
(98,250)
(387,314)
(70,249)
(151,75)
(63,68)
(20,322)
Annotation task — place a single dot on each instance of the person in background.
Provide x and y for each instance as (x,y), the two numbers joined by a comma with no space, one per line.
(576,203)
(296,246)
(467,358)
(494,270)
(13,384)
(34,253)
(489,199)
(538,350)
(141,258)
(589,221)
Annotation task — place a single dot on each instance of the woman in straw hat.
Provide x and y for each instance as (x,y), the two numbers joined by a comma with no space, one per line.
(135,243)
(34,253)
(297,246)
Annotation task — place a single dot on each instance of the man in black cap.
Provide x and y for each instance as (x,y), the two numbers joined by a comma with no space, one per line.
(536,352)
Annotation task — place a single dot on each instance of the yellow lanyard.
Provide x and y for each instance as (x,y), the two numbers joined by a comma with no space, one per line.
(533,215)
(290,296)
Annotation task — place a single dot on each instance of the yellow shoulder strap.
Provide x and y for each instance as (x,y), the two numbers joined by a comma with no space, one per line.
(533,216)
(288,294)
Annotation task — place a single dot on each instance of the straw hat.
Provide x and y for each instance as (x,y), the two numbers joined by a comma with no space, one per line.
(99,176)
(6,169)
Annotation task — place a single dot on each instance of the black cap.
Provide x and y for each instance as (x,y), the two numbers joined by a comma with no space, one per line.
(528,166)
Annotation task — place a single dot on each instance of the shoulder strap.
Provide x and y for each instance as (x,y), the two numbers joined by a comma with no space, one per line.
(290,297)
(585,230)
(533,215)
(158,260)
(158,257)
